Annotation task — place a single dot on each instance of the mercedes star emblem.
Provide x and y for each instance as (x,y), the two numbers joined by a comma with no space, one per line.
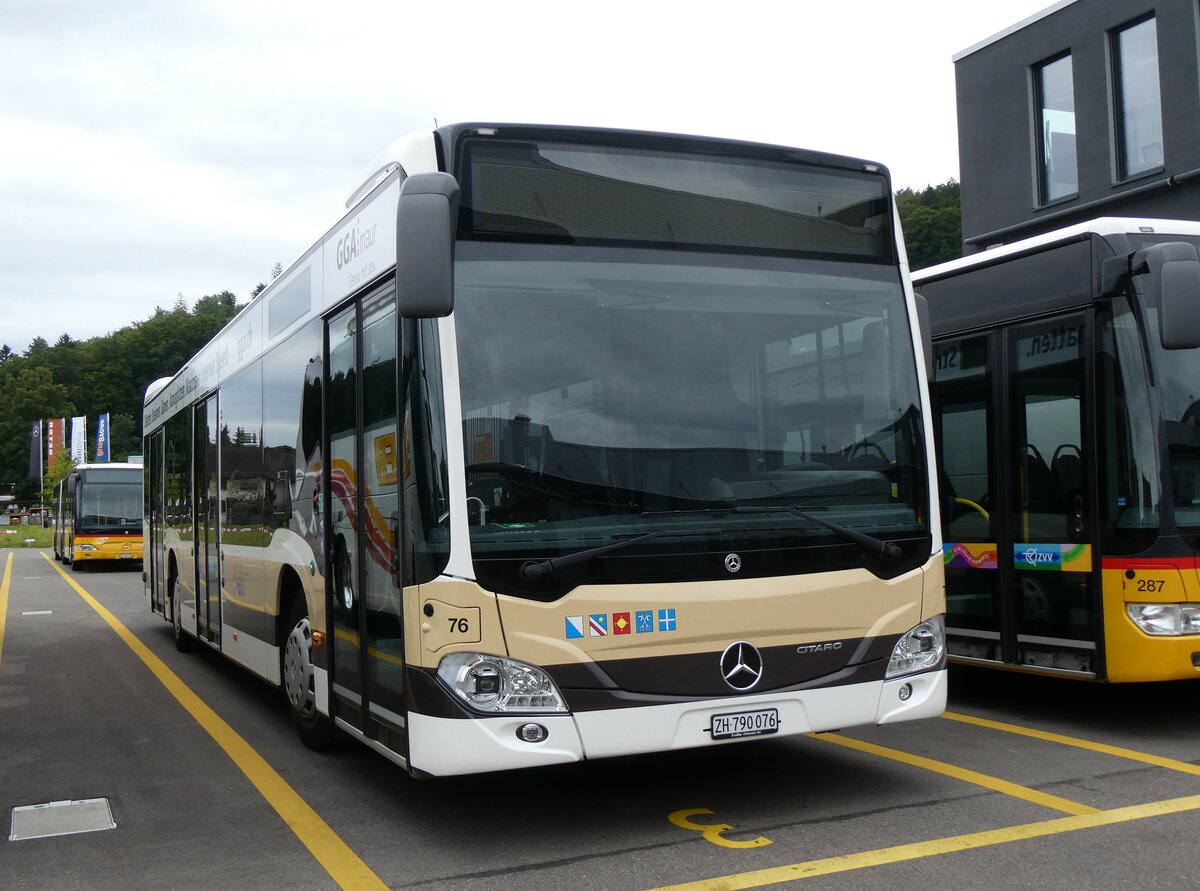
(733,562)
(741,665)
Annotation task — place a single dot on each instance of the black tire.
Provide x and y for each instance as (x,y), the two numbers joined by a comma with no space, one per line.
(298,680)
(184,642)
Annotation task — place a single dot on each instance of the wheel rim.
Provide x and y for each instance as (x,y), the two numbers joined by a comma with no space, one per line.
(298,674)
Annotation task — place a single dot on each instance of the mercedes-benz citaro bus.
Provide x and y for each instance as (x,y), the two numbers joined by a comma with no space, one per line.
(98,515)
(567,443)
(1067,399)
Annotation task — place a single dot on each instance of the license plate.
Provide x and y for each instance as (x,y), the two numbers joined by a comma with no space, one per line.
(124,556)
(735,725)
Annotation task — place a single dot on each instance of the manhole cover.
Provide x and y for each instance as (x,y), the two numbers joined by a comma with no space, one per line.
(61,818)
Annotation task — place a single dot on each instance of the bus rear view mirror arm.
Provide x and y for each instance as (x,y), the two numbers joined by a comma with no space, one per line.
(1174,270)
(426,219)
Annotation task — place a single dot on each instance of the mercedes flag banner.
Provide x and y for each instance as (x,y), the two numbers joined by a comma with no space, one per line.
(35,451)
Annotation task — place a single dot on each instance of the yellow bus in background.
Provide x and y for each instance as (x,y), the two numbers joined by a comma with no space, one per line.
(98,514)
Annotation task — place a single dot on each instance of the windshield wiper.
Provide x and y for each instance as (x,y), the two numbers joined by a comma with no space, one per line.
(536,569)
(869,542)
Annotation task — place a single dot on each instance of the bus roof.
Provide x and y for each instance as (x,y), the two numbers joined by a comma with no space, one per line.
(1100,226)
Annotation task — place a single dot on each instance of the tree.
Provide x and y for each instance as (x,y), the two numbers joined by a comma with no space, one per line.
(28,396)
(932,222)
(103,374)
(55,473)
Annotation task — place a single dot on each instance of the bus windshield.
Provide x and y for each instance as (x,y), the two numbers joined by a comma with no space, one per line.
(109,507)
(612,392)
(1177,380)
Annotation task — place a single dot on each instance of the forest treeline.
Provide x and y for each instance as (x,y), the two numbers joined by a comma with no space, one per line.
(90,377)
(111,373)
(932,223)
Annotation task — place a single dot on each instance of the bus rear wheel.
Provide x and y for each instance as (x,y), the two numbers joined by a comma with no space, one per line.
(300,681)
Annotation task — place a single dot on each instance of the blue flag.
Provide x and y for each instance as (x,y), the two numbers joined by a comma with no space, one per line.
(102,438)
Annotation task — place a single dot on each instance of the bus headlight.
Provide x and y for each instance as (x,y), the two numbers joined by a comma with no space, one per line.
(1165,619)
(495,684)
(83,547)
(920,649)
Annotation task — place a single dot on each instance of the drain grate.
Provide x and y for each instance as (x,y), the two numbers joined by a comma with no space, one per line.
(61,818)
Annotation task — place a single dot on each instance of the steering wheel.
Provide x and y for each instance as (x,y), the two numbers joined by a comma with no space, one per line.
(864,446)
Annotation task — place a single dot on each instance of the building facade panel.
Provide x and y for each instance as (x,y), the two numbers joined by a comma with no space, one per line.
(1004,150)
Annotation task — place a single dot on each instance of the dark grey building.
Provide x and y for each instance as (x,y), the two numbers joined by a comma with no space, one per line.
(1089,108)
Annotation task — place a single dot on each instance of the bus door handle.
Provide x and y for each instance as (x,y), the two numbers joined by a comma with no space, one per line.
(1078,516)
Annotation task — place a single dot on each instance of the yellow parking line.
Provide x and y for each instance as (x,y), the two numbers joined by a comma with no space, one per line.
(343,865)
(953,844)
(4,600)
(1116,751)
(1014,790)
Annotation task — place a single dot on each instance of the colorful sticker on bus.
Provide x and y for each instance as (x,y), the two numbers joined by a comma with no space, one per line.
(639,621)
(1053,557)
(963,555)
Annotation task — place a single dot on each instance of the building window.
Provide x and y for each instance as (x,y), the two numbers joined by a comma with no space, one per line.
(1058,172)
(1138,112)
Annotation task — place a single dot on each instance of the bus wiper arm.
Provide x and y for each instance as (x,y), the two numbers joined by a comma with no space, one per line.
(874,545)
(536,569)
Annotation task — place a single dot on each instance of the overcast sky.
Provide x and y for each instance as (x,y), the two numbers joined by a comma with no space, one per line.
(150,150)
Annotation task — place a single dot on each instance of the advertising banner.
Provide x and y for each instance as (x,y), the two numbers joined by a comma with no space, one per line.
(56,438)
(35,451)
(102,437)
(79,439)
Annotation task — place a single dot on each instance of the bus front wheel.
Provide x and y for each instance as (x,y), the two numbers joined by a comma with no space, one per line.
(300,682)
(183,640)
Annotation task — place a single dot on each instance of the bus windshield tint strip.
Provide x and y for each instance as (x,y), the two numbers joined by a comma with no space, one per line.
(576,194)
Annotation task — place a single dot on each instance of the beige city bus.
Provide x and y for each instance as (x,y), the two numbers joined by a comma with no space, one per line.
(567,443)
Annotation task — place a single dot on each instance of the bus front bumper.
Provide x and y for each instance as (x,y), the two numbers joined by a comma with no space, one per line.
(449,746)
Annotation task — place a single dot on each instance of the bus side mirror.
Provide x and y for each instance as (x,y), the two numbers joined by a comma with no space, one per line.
(72,482)
(1174,270)
(426,220)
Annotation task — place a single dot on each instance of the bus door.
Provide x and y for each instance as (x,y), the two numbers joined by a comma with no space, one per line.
(155,553)
(1019,531)
(208,520)
(362,514)
(1051,523)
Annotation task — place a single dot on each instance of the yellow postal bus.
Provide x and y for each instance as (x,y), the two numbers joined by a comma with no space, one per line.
(1067,395)
(98,514)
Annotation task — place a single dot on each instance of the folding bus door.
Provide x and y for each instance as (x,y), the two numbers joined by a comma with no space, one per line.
(1054,586)
(362,516)
(155,512)
(1014,452)
(964,379)
(208,520)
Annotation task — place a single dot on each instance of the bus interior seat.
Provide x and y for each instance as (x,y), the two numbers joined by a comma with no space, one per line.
(1067,466)
(1043,499)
